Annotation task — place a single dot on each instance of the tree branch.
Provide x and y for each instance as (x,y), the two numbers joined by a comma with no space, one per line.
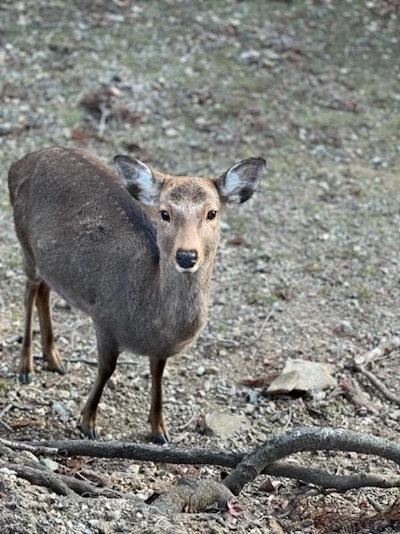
(307,439)
(299,440)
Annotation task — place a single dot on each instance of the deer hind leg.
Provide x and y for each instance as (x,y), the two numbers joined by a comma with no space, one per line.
(159,430)
(107,362)
(25,370)
(49,349)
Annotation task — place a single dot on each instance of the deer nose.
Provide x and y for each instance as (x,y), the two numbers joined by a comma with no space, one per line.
(186,258)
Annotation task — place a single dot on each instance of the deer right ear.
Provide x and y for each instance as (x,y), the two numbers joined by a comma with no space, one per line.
(138,179)
(239,183)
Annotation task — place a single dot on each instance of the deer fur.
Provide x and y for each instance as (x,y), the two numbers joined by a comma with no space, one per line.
(134,251)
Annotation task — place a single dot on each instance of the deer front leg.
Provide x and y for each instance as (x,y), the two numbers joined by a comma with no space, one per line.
(107,363)
(159,430)
(49,349)
(25,370)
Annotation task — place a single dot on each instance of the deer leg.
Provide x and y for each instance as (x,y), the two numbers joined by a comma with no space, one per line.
(107,362)
(25,370)
(159,430)
(49,349)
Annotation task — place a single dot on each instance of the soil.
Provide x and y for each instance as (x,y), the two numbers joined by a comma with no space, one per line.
(308,268)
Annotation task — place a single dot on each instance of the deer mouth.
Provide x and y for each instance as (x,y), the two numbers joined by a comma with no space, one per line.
(192,269)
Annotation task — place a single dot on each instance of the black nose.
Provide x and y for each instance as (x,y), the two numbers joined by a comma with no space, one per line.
(186,258)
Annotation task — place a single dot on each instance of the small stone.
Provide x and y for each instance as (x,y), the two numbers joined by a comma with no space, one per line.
(133,468)
(224,425)
(30,456)
(61,411)
(212,370)
(200,370)
(253,397)
(50,464)
(249,409)
(250,56)
(171,132)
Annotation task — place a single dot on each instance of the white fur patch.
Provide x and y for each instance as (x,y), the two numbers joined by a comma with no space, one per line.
(183,270)
(233,181)
(144,180)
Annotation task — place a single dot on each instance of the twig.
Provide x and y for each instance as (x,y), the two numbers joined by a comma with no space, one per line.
(89,361)
(375,504)
(381,350)
(260,333)
(7,426)
(105,113)
(2,414)
(378,384)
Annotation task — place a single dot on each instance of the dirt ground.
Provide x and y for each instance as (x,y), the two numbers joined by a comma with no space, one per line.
(194,87)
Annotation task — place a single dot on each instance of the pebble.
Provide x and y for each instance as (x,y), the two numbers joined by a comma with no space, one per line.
(171,132)
(249,409)
(50,464)
(61,412)
(133,468)
(200,370)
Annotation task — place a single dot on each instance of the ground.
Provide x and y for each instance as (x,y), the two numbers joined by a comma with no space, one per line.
(194,87)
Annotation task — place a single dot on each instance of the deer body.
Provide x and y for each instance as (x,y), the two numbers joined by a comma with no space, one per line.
(101,243)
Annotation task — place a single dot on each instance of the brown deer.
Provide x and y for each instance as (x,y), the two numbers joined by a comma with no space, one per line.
(135,254)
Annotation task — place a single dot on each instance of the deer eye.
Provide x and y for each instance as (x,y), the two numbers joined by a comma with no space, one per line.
(211,215)
(165,215)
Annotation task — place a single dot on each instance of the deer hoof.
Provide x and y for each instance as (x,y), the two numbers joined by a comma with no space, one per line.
(161,439)
(25,378)
(89,433)
(61,370)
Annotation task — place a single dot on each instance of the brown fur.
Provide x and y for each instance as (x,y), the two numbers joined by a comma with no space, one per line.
(83,235)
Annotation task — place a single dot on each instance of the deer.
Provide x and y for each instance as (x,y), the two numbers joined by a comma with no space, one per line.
(133,249)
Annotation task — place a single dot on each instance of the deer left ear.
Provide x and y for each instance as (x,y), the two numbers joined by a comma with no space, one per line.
(239,183)
(138,179)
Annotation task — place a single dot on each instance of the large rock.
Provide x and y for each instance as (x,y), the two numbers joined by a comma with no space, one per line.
(300,375)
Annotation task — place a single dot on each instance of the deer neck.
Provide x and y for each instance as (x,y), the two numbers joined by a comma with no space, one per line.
(184,299)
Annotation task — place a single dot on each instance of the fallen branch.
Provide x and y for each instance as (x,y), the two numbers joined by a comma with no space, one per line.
(299,440)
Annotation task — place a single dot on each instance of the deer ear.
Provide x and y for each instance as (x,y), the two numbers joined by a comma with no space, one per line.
(138,179)
(239,183)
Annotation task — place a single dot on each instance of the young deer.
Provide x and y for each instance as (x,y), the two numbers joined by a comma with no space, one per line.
(135,254)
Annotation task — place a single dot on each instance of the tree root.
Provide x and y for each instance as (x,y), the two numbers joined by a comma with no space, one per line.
(247,467)
(307,439)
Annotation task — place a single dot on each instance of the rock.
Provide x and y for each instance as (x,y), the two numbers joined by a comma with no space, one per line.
(250,56)
(171,132)
(133,468)
(249,409)
(30,456)
(200,370)
(61,411)
(50,464)
(224,425)
(300,375)
(253,396)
